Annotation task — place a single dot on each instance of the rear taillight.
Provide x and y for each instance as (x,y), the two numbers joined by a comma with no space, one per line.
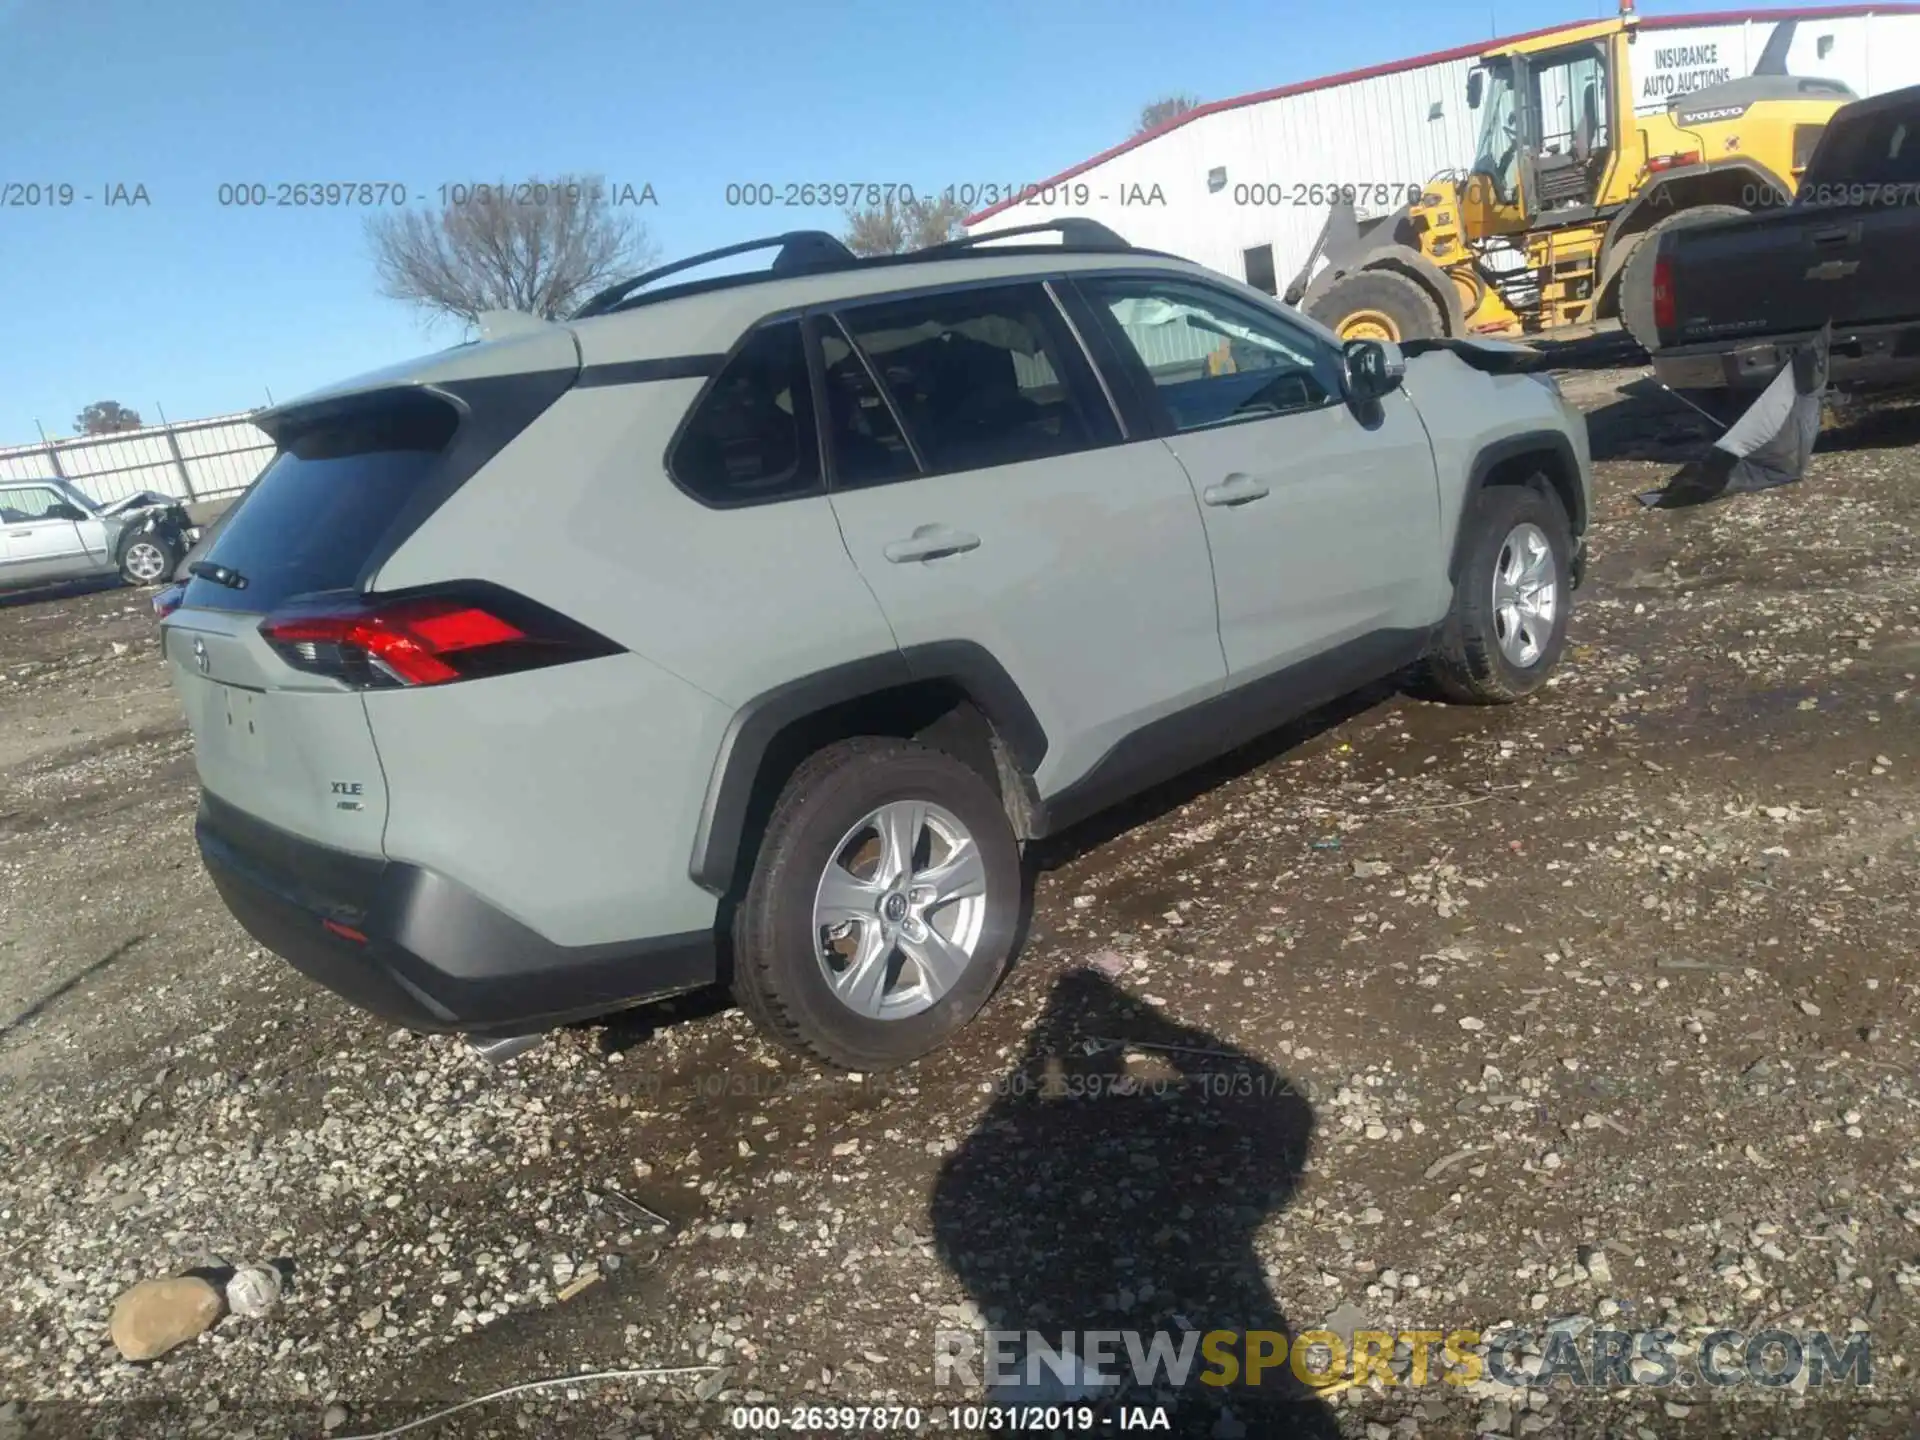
(1663,306)
(166,601)
(426,638)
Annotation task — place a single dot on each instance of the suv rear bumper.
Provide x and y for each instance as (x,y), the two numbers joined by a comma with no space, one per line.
(418,949)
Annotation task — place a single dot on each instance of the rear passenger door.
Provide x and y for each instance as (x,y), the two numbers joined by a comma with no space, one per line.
(1323,518)
(988,493)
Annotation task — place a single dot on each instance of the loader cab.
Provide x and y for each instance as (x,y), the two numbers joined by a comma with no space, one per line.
(1549,128)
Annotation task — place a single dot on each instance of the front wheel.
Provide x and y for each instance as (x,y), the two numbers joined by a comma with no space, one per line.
(147,559)
(1508,625)
(883,907)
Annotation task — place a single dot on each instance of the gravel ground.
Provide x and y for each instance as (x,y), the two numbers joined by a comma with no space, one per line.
(1594,1011)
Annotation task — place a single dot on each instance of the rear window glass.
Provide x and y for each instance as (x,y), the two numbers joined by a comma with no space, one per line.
(319,510)
(1869,150)
(752,440)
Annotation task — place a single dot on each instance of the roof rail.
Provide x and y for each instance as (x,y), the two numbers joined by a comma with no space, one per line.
(801,251)
(1075,230)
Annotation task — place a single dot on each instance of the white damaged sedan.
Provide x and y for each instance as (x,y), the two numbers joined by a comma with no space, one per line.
(49,530)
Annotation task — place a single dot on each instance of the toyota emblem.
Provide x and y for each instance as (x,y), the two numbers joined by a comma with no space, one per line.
(200,656)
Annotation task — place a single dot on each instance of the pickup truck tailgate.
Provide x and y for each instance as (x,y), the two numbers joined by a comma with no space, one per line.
(1793,271)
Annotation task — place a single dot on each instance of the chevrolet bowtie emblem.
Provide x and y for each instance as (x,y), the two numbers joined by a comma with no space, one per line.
(1833,269)
(200,656)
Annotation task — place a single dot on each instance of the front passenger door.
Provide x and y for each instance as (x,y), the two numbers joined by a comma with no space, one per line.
(1323,519)
(38,535)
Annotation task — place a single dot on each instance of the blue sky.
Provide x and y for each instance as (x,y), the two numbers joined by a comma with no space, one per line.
(187,307)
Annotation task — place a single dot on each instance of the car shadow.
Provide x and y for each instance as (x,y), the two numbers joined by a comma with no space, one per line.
(1889,422)
(38,1006)
(1117,1183)
(1160,800)
(1649,422)
(60,590)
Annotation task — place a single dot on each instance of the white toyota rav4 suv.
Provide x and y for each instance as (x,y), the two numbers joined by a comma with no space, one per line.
(742,629)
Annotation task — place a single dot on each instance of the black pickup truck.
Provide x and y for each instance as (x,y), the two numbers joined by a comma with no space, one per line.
(1732,298)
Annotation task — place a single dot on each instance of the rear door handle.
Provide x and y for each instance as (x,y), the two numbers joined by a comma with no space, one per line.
(1235,490)
(931,542)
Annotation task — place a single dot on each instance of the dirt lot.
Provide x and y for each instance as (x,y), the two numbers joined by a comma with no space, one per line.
(1595,1011)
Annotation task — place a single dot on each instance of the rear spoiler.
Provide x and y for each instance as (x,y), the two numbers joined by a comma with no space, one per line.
(528,350)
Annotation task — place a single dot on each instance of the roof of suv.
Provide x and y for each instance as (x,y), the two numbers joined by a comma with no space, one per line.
(710,321)
(705,318)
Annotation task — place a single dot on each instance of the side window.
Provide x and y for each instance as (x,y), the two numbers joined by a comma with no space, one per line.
(1213,358)
(982,377)
(1570,91)
(27,503)
(752,437)
(866,445)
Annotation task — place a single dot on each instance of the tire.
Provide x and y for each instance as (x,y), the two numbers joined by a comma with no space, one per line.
(780,976)
(148,559)
(1396,304)
(1636,280)
(1474,658)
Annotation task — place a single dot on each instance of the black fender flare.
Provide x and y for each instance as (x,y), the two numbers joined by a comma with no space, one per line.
(1497,453)
(1392,255)
(1631,223)
(756,724)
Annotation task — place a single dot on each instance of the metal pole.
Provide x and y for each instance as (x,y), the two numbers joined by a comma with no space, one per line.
(53,455)
(179,460)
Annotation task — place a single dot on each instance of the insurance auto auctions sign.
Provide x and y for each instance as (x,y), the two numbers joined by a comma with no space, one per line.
(1668,63)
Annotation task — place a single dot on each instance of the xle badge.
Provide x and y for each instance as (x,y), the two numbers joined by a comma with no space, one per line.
(348,788)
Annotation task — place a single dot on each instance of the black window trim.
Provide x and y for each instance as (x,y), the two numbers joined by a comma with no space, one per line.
(1129,392)
(1083,382)
(817,325)
(1141,378)
(788,315)
(1099,375)
(1120,381)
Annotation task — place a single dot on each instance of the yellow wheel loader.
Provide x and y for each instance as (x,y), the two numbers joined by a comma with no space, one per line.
(1557,221)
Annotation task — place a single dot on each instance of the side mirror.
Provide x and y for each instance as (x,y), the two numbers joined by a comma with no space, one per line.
(1476,87)
(60,510)
(1374,368)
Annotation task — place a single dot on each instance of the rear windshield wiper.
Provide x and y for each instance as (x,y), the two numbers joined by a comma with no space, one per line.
(218,574)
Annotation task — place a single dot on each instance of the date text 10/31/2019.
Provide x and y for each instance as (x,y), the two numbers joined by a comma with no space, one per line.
(966,195)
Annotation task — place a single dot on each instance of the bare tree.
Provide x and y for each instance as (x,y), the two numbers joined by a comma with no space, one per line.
(540,246)
(1153,116)
(106,417)
(895,227)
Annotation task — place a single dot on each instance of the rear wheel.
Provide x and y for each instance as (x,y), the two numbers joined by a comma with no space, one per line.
(147,559)
(1379,305)
(1508,625)
(883,906)
(1636,280)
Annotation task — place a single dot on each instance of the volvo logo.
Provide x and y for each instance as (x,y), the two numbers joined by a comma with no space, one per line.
(200,656)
